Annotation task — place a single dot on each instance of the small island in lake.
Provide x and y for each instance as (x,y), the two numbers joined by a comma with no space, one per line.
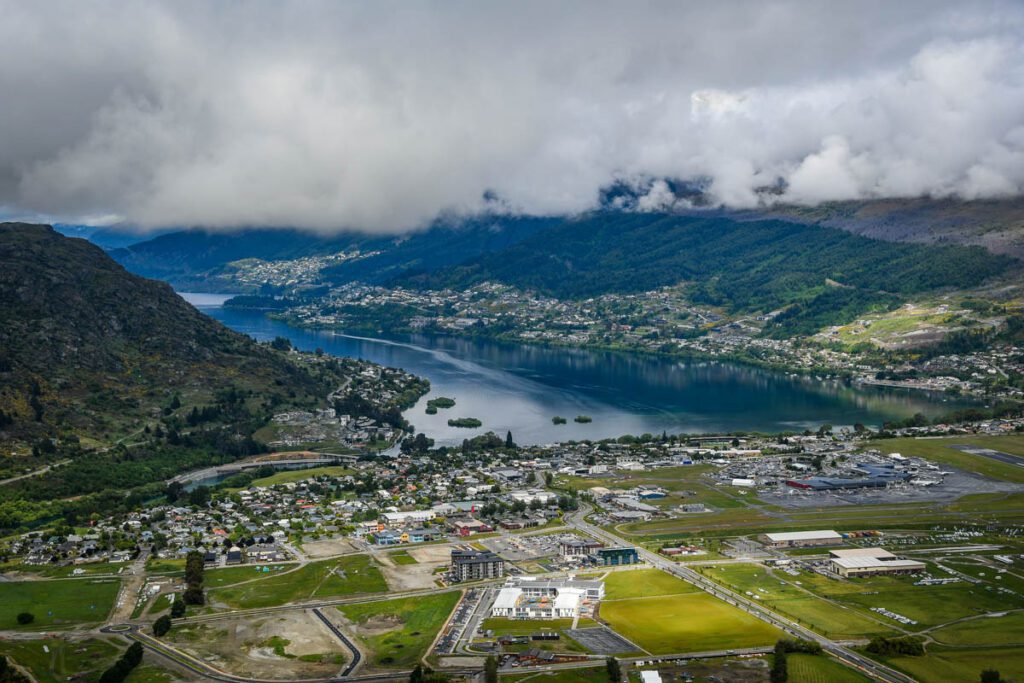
(468,422)
(439,402)
(558,420)
(583,419)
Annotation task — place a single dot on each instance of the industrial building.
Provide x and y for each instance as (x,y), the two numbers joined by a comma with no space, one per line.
(530,598)
(802,539)
(470,565)
(854,562)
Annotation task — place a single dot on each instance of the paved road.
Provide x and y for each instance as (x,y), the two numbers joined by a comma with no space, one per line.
(355,654)
(841,652)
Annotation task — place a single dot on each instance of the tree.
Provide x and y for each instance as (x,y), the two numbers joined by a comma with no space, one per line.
(509,443)
(25,618)
(491,670)
(161,626)
(177,608)
(780,670)
(991,676)
(417,675)
(614,670)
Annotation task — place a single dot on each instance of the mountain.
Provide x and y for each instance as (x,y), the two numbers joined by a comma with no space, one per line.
(200,260)
(743,265)
(88,349)
(997,225)
(105,237)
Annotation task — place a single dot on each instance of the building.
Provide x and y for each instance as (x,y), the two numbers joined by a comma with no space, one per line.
(854,562)
(802,539)
(618,556)
(530,598)
(578,548)
(394,519)
(650,677)
(470,565)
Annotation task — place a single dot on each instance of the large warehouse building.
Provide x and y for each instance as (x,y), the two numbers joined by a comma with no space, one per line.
(871,562)
(801,539)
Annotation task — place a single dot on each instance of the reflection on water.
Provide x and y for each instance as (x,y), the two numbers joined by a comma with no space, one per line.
(520,387)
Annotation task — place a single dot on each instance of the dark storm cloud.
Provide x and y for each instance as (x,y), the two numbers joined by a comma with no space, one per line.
(381,115)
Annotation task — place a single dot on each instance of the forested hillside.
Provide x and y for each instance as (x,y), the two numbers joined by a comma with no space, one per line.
(823,273)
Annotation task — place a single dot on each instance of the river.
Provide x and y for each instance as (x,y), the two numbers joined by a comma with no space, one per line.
(520,387)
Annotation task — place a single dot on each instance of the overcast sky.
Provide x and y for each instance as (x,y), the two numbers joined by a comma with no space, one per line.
(379,116)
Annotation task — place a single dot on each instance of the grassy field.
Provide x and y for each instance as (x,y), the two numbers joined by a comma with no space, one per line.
(403,557)
(778,591)
(938,450)
(691,622)
(643,583)
(524,627)
(987,631)
(416,622)
(820,669)
(316,579)
(66,571)
(165,566)
(227,576)
(56,603)
(960,666)
(65,659)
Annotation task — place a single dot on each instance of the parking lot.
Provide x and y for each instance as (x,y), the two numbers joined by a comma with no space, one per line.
(602,640)
(525,548)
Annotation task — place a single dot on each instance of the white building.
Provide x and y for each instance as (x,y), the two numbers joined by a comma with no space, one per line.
(530,598)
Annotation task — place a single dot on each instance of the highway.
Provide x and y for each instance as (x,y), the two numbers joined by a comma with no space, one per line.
(846,655)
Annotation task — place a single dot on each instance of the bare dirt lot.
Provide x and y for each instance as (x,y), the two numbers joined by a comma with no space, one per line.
(283,646)
(316,550)
(415,576)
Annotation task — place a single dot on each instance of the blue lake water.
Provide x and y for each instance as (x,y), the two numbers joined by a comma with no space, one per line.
(520,387)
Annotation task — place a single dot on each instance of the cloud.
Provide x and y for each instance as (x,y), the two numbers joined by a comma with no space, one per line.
(381,116)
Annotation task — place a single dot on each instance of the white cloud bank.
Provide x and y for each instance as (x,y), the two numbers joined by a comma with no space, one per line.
(378,116)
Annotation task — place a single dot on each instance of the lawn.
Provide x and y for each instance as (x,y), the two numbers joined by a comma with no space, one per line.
(643,583)
(524,627)
(820,669)
(317,579)
(65,659)
(415,621)
(165,565)
(56,603)
(403,557)
(691,622)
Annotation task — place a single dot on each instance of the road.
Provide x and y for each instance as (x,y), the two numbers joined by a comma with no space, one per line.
(354,654)
(839,651)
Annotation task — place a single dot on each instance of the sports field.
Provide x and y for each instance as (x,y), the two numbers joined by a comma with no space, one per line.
(643,583)
(56,603)
(688,622)
(348,575)
(399,631)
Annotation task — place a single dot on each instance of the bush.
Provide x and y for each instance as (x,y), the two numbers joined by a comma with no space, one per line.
(177,608)
(25,618)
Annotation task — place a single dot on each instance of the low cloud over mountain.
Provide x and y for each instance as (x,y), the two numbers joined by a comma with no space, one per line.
(380,116)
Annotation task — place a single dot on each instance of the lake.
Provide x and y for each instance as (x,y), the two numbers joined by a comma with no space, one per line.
(520,387)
